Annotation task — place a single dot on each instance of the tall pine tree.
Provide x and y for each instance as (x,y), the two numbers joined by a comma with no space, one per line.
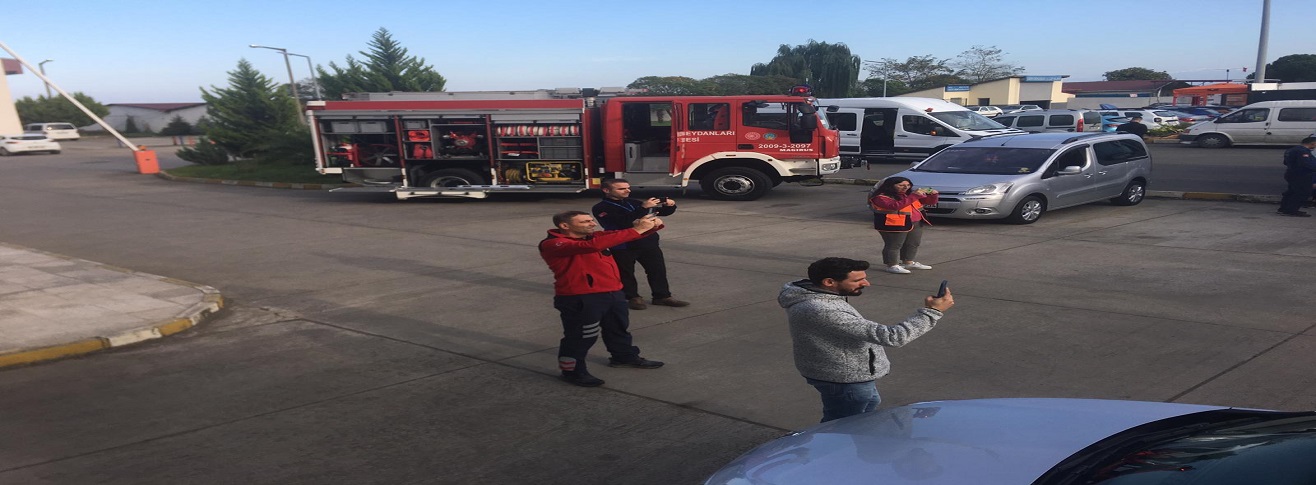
(387,67)
(250,111)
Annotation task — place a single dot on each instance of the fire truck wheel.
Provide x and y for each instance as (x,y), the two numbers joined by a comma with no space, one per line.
(735,183)
(452,177)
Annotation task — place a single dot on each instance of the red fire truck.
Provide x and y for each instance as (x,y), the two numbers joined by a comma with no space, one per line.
(470,144)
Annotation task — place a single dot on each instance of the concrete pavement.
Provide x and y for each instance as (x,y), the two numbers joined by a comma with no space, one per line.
(54,306)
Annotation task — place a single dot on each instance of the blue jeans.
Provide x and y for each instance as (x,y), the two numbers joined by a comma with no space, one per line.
(841,400)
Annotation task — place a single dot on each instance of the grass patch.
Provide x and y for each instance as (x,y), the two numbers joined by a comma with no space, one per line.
(293,174)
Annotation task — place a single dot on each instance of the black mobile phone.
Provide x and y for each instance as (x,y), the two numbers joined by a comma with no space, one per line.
(653,210)
(942,291)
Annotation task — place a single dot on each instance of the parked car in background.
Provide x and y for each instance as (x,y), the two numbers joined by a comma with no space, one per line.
(1042,442)
(56,131)
(27,143)
(1197,114)
(1019,177)
(1263,123)
(1052,120)
(1152,118)
(902,128)
(988,111)
(1014,108)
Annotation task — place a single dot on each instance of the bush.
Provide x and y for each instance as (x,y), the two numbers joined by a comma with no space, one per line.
(205,152)
(130,125)
(1167,130)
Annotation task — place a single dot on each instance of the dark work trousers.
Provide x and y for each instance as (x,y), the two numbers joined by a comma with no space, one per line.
(655,270)
(584,319)
(1298,192)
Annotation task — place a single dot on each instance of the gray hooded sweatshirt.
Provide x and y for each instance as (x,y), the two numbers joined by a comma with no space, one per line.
(834,343)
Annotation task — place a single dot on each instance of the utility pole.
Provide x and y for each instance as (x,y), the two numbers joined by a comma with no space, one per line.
(41,66)
(1260,73)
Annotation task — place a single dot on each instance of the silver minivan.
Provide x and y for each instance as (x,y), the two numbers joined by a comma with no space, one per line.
(1052,120)
(1019,177)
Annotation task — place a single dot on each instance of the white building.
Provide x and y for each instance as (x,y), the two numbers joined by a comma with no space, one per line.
(150,116)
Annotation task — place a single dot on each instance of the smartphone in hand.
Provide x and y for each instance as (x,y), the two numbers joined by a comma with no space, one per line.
(942,290)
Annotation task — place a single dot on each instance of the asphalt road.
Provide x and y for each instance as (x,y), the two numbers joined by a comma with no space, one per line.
(374,341)
(1182,168)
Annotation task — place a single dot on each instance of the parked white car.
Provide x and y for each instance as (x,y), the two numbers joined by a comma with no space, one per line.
(1153,118)
(27,143)
(1015,108)
(988,111)
(56,131)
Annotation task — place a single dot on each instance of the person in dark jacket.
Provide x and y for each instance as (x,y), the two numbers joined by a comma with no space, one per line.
(587,289)
(1134,126)
(1299,166)
(838,351)
(618,210)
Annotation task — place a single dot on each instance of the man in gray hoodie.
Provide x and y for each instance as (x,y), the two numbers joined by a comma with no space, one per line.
(837,350)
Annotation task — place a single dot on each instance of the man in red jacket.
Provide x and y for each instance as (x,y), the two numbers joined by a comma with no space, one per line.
(588,293)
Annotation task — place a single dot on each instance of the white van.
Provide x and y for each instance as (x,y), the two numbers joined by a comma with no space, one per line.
(1263,123)
(54,131)
(903,128)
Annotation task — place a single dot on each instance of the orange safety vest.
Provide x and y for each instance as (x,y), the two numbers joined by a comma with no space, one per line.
(898,220)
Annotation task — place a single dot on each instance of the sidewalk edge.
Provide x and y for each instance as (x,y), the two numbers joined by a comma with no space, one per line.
(211,301)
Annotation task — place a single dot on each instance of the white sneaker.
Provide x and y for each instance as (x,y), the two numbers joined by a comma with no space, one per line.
(916,265)
(896,269)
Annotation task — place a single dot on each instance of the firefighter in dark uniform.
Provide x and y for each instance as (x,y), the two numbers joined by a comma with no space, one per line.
(587,289)
(618,210)
(1299,165)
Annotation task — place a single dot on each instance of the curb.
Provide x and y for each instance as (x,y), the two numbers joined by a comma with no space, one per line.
(252,183)
(1155,194)
(211,301)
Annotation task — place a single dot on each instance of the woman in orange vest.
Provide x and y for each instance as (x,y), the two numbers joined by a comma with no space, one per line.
(898,215)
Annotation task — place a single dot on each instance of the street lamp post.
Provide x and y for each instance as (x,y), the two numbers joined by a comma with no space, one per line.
(314,80)
(42,67)
(292,82)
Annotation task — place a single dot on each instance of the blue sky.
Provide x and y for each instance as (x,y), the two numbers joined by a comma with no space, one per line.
(128,51)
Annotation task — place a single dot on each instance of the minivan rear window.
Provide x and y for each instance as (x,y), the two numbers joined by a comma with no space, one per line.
(1118,151)
(1032,120)
(1062,120)
(1297,114)
(981,160)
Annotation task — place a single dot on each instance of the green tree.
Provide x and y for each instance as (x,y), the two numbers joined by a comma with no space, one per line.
(249,111)
(206,152)
(387,67)
(736,84)
(1294,68)
(177,127)
(916,73)
(672,86)
(130,125)
(872,87)
(830,69)
(58,110)
(1137,74)
(981,63)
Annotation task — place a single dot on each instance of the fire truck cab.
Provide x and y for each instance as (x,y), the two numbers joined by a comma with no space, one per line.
(470,144)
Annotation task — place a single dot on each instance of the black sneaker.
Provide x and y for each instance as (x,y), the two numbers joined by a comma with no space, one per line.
(638,363)
(582,379)
(1295,213)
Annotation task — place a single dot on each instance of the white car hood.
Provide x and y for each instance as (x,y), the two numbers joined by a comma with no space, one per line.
(981,441)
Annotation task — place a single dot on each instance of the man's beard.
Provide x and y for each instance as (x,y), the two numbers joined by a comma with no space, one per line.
(854,292)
